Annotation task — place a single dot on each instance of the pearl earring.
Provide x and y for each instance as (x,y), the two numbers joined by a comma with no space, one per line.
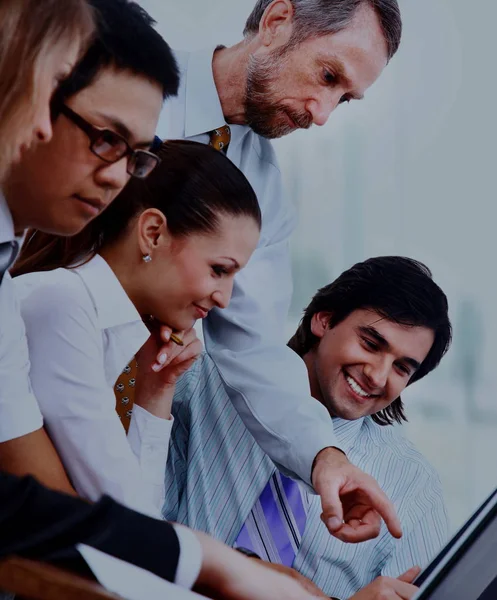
(147,258)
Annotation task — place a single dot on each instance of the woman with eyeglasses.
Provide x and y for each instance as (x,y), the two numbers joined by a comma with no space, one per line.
(165,252)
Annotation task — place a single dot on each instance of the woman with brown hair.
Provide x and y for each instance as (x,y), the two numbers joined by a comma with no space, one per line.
(169,246)
(39,44)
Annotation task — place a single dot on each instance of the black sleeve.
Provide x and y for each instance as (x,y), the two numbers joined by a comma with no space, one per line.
(38,523)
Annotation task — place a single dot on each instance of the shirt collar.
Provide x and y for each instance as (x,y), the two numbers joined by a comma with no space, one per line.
(7,233)
(112,304)
(203,111)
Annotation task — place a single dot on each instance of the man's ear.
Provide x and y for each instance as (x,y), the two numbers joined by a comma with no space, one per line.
(276,25)
(152,229)
(320,323)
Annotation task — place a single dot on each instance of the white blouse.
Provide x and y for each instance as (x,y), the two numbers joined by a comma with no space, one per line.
(19,412)
(82,330)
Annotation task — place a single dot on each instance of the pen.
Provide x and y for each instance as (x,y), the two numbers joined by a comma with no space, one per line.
(176,340)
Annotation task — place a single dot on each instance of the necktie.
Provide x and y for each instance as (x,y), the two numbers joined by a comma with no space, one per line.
(8,253)
(125,384)
(276,524)
(220,138)
(124,391)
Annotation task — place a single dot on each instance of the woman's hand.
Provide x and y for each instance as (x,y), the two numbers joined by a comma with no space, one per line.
(160,363)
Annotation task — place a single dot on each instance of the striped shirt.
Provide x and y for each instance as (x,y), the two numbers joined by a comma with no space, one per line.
(216,473)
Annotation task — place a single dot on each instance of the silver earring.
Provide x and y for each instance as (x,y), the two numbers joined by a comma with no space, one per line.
(147,258)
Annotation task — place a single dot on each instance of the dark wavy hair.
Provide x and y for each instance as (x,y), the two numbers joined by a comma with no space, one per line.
(193,185)
(399,289)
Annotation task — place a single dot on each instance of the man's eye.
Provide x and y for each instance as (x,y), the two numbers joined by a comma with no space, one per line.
(329,77)
(371,345)
(404,369)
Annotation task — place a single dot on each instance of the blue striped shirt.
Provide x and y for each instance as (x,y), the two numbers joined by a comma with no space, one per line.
(216,473)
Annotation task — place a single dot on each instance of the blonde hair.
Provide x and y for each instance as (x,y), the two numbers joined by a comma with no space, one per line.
(29,31)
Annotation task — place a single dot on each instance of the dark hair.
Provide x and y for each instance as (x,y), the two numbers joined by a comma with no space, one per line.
(314,18)
(125,39)
(193,185)
(397,288)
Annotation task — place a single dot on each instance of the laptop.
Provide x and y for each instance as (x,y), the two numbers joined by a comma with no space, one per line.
(466,569)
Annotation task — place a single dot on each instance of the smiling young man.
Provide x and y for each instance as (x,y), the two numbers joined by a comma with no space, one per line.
(382,325)
(298,60)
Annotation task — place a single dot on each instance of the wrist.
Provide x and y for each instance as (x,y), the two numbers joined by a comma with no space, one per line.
(328,454)
(158,405)
(219,564)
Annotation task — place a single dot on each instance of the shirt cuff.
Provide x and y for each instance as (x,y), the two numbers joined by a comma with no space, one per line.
(304,463)
(149,437)
(190,557)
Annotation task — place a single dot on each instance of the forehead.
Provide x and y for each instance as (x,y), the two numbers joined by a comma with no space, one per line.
(360,47)
(404,340)
(122,96)
(235,237)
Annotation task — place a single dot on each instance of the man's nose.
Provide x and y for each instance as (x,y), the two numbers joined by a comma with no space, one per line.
(113,175)
(320,108)
(377,373)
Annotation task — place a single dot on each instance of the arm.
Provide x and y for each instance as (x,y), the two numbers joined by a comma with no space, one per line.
(38,523)
(41,524)
(266,381)
(68,376)
(34,454)
(24,445)
(268,384)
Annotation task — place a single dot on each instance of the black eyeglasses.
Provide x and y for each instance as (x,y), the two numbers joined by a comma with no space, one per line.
(111,147)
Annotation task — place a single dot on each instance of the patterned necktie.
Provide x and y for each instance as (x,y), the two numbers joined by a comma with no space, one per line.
(220,138)
(125,385)
(124,391)
(8,253)
(274,528)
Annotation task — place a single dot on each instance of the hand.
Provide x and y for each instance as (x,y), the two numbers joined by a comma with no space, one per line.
(386,588)
(228,575)
(353,503)
(160,363)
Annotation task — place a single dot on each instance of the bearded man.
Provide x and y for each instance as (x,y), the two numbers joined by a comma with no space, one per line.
(298,60)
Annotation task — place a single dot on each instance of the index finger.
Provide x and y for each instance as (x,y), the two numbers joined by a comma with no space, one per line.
(382,505)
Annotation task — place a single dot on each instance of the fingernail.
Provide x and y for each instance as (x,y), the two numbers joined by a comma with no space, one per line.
(167,335)
(333,523)
(162,359)
(156,367)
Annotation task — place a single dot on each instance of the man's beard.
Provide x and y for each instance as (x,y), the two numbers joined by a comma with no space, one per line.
(264,116)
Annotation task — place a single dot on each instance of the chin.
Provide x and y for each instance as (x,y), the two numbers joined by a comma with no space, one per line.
(65,228)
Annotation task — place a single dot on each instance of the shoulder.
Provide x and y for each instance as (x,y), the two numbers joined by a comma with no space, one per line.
(54,296)
(405,470)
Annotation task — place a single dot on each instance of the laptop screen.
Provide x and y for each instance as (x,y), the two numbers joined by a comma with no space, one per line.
(471,573)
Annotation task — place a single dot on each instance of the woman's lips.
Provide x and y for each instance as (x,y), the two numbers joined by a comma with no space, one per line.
(201,311)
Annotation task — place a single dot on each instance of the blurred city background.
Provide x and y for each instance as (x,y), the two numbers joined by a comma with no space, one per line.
(409,170)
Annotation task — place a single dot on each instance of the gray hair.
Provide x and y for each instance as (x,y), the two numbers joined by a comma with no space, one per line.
(314,18)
